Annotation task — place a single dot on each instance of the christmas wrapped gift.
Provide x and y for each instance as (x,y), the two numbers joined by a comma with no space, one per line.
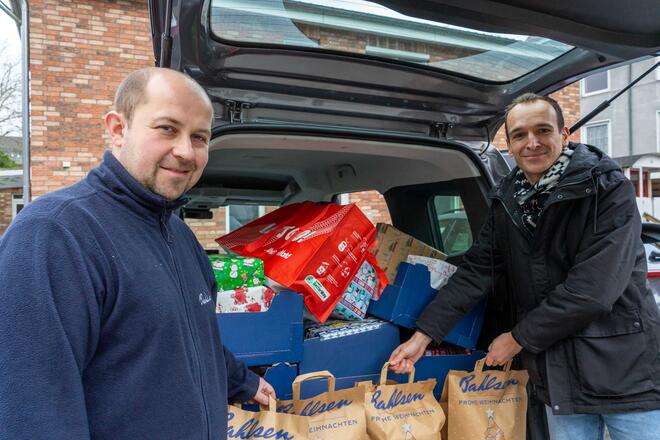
(353,304)
(338,329)
(404,410)
(486,404)
(393,247)
(244,299)
(334,414)
(232,272)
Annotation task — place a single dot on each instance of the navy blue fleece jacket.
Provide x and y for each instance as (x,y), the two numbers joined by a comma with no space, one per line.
(107,320)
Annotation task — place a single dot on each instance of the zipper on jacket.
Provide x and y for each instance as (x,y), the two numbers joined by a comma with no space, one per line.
(190,327)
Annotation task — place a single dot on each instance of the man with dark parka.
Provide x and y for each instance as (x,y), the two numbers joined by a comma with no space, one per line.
(107,300)
(564,229)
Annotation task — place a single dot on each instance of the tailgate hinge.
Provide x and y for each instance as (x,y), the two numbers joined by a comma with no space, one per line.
(439,129)
(235,110)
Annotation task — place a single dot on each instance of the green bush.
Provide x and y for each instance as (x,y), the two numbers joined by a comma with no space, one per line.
(6,162)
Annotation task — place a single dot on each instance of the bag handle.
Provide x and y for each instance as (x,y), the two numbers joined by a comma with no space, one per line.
(383,374)
(481,363)
(272,405)
(314,375)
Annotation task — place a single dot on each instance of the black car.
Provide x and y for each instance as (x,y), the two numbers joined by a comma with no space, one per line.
(318,98)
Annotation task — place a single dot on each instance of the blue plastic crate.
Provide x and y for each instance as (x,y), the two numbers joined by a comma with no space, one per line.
(269,337)
(437,367)
(351,359)
(404,300)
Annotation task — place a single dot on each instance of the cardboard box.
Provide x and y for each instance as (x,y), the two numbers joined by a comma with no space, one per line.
(394,246)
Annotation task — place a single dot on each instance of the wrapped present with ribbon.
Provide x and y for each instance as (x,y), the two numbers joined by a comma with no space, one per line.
(232,272)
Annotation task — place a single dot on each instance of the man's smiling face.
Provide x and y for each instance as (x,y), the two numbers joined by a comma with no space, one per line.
(165,144)
(534,139)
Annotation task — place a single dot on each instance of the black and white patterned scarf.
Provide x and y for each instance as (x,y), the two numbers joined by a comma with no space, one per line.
(532,198)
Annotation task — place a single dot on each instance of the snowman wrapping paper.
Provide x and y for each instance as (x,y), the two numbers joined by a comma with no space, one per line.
(233,272)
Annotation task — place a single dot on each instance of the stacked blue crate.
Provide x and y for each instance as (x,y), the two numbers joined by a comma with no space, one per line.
(269,337)
(404,300)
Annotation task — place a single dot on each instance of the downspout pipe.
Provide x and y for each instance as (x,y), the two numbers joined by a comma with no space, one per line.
(25,72)
(23,22)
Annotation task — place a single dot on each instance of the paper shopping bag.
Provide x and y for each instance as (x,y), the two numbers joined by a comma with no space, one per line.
(315,249)
(267,423)
(335,414)
(406,411)
(489,405)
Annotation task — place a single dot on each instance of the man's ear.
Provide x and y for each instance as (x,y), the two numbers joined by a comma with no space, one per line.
(115,125)
(564,136)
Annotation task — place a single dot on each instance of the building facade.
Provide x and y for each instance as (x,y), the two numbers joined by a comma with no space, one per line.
(629,129)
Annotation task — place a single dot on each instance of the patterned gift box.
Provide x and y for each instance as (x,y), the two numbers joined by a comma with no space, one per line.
(355,301)
(232,272)
(244,299)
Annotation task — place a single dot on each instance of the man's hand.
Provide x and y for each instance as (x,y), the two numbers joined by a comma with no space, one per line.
(404,357)
(264,393)
(502,350)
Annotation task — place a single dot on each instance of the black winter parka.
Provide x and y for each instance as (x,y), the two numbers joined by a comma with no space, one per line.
(586,320)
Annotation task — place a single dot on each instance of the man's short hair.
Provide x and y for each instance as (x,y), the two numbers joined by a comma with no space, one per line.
(132,92)
(526,98)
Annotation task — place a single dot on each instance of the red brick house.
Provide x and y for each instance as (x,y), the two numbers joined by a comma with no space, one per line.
(80,51)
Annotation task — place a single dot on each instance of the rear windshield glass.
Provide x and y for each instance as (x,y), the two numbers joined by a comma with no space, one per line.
(367,28)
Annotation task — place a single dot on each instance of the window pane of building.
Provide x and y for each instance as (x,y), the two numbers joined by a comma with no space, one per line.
(595,82)
(597,135)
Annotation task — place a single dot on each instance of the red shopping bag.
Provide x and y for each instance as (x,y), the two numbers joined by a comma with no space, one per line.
(315,249)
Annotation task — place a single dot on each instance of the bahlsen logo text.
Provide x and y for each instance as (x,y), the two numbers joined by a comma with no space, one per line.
(398,398)
(253,429)
(468,385)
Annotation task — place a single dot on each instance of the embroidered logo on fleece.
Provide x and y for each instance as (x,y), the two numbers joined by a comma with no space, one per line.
(205,298)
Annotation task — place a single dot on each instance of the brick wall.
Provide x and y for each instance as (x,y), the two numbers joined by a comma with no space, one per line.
(5,207)
(79,52)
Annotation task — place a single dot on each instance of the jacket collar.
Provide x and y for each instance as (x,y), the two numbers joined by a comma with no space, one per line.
(586,162)
(111,176)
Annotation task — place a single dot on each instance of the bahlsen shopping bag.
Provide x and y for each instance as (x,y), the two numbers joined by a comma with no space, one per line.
(405,411)
(335,414)
(242,424)
(488,405)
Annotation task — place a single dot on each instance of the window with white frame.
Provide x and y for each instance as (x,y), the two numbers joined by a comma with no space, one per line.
(596,83)
(240,215)
(598,135)
(16,204)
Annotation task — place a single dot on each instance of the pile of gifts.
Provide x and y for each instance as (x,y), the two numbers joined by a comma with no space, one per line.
(240,283)
(331,254)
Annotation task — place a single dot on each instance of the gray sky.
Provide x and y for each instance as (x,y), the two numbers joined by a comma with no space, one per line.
(9,36)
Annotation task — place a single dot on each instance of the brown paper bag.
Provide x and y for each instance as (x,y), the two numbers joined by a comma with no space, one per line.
(268,423)
(403,411)
(489,405)
(333,414)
